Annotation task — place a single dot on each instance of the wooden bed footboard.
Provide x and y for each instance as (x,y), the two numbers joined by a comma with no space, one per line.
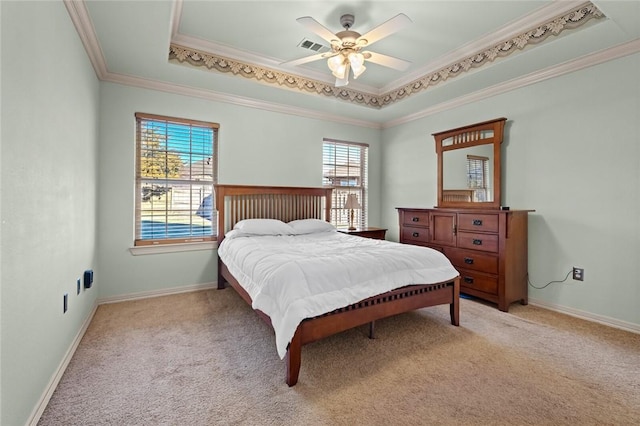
(384,305)
(394,302)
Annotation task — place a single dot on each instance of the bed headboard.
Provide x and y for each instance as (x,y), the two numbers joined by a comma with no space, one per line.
(237,202)
(457,195)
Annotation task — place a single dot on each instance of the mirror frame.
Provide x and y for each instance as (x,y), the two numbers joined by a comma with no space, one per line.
(487,132)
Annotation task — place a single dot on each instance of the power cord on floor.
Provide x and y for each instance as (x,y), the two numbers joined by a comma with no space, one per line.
(550,282)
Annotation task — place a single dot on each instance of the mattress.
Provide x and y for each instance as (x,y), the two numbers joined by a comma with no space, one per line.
(293,277)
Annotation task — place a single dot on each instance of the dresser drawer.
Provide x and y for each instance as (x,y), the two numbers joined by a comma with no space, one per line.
(478,222)
(478,281)
(473,260)
(483,242)
(413,235)
(415,218)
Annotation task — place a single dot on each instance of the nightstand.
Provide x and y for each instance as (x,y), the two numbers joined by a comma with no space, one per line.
(368,232)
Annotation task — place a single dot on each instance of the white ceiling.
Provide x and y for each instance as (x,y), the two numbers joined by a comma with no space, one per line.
(129,42)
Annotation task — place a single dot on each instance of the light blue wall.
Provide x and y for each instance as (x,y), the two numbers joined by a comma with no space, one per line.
(49,185)
(255,147)
(67,181)
(572,153)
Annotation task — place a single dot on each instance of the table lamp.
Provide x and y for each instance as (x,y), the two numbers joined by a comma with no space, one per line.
(351,203)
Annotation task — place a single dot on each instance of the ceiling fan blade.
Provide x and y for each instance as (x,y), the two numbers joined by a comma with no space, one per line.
(387,61)
(341,82)
(307,59)
(385,29)
(316,27)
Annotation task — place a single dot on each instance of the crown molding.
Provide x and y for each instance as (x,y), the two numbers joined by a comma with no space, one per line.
(84,26)
(500,44)
(175,18)
(211,95)
(602,56)
(605,55)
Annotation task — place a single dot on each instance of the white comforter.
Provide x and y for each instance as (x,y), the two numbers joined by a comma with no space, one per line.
(294,277)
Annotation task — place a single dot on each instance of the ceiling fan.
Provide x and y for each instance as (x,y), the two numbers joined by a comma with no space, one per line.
(346,47)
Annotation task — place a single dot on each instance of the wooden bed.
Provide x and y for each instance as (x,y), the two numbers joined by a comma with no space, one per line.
(238,202)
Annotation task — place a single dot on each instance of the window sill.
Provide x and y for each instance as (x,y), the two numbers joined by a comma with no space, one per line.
(173,248)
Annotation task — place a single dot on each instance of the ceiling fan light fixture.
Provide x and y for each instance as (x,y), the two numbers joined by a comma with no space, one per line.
(357,73)
(338,66)
(356,60)
(340,72)
(346,46)
(335,62)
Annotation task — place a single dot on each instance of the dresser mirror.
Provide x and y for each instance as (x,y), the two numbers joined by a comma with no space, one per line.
(469,165)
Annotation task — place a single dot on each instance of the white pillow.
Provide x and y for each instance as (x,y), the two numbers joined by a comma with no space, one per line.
(310,226)
(264,227)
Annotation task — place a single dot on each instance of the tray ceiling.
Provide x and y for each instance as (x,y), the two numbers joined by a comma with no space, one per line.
(233,50)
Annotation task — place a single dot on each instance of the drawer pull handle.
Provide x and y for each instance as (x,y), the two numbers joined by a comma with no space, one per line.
(468,280)
(477,222)
(415,219)
(468,260)
(416,234)
(477,242)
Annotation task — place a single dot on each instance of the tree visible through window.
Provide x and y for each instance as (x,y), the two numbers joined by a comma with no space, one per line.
(344,168)
(176,167)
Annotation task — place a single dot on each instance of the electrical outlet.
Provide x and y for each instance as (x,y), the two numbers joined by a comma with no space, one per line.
(578,274)
(65,301)
(78,286)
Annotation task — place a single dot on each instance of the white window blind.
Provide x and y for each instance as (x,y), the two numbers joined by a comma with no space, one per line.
(478,177)
(176,167)
(345,169)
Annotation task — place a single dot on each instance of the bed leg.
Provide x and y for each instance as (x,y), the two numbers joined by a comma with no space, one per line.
(220,277)
(454,307)
(372,330)
(293,359)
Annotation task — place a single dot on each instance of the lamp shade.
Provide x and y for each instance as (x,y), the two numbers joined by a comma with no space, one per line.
(335,61)
(340,72)
(338,66)
(352,202)
(357,64)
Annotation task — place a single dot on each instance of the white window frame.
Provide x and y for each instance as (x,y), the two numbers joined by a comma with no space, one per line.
(345,168)
(195,179)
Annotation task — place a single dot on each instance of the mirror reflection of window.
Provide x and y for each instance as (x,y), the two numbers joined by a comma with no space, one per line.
(478,177)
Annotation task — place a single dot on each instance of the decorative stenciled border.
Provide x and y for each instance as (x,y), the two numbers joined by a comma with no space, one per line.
(568,21)
(219,63)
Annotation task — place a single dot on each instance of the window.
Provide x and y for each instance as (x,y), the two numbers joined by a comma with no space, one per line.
(176,167)
(344,168)
(477,177)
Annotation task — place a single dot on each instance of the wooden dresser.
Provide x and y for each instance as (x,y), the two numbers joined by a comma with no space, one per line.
(487,247)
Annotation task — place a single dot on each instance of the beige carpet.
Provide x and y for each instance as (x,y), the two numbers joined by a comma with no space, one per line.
(205,358)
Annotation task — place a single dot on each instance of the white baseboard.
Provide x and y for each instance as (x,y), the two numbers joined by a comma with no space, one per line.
(55,379)
(46,396)
(157,293)
(601,319)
